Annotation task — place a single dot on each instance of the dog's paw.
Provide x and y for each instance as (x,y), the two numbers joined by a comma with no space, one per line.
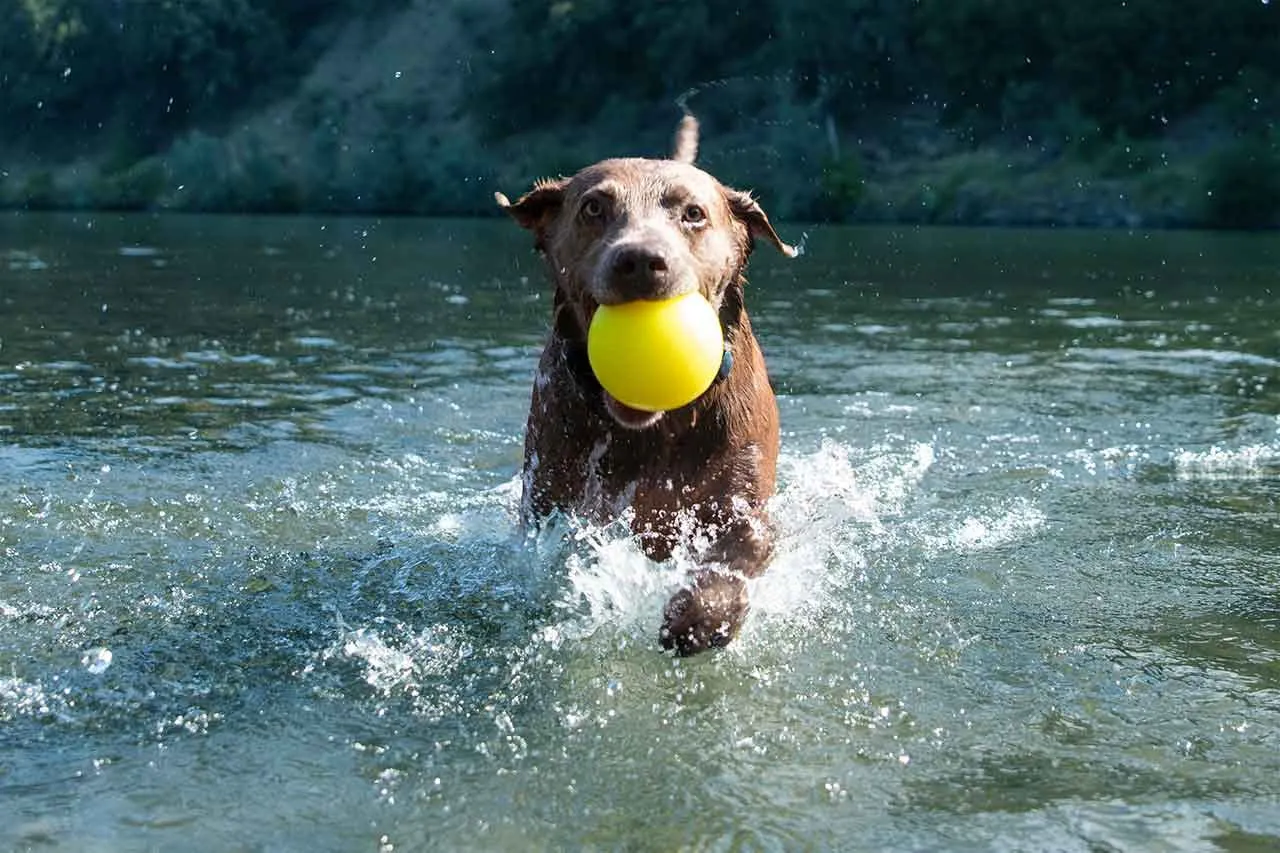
(706,615)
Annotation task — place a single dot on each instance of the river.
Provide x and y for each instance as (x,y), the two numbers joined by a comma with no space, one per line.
(261,586)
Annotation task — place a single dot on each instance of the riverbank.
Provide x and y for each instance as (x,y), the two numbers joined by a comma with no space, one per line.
(386,120)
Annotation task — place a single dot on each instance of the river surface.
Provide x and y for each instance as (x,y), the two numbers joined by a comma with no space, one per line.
(261,586)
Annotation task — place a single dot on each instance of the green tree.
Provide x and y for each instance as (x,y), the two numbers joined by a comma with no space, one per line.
(1243,184)
(141,70)
(564,59)
(1133,67)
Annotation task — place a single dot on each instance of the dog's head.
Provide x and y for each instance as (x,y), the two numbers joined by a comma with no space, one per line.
(634,228)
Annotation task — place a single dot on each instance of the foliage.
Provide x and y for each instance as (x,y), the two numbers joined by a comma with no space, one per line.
(841,187)
(152,92)
(1133,67)
(38,191)
(141,70)
(996,65)
(134,188)
(582,54)
(1243,184)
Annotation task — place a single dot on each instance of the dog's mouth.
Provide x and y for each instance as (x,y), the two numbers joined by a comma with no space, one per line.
(627,416)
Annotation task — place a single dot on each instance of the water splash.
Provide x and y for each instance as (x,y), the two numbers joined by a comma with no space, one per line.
(96,661)
(592,586)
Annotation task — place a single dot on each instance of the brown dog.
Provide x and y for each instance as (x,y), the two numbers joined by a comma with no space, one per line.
(697,476)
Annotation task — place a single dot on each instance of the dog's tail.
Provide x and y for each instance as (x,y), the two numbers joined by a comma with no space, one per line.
(686,142)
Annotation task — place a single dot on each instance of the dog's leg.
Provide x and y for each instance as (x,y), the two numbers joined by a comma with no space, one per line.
(709,613)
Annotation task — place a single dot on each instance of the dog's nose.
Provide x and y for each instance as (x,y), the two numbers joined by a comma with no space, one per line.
(638,272)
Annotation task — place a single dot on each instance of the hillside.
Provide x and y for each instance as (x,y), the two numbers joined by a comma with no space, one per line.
(848,111)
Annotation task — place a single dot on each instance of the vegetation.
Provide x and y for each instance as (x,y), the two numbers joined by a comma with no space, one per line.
(135,72)
(938,110)
(1243,184)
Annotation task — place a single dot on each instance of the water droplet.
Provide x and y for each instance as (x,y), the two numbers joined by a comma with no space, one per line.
(96,660)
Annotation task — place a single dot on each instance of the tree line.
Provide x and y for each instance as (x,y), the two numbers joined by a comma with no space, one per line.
(1121,66)
(141,71)
(130,76)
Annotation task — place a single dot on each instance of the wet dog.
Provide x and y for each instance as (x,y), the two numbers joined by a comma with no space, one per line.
(697,477)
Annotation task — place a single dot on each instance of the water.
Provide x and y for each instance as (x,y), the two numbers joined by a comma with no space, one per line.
(260,586)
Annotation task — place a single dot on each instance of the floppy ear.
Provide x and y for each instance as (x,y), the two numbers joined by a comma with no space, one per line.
(535,209)
(748,211)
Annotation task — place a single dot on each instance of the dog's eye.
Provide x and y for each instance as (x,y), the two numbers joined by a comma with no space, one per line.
(694,215)
(592,209)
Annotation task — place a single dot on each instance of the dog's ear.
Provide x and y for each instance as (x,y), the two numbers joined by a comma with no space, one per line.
(748,211)
(535,209)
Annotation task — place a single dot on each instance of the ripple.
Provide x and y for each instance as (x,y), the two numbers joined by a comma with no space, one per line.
(316,342)
(1182,362)
(1097,322)
(258,546)
(18,259)
(1251,462)
(138,251)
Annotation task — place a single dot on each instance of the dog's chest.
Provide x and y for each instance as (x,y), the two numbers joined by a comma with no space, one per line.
(606,478)
(617,480)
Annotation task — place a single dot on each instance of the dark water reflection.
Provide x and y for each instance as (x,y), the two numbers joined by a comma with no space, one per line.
(259,586)
(183,329)
(198,324)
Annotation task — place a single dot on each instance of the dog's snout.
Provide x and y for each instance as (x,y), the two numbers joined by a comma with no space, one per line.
(639,271)
(638,260)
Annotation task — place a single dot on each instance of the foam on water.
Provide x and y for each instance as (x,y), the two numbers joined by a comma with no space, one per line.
(830,504)
(571,586)
(508,651)
(1001,525)
(417,667)
(578,587)
(21,698)
(611,584)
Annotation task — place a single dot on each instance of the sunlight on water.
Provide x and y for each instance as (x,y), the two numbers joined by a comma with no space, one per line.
(608,591)
(262,584)
(1255,461)
(837,508)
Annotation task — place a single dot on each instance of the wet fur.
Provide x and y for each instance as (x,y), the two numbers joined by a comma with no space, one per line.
(697,477)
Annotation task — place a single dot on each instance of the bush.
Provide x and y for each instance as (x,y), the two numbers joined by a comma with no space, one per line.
(137,187)
(1007,59)
(840,54)
(199,171)
(1126,157)
(1242,185)
(71,70)
(38,191)
(841,186)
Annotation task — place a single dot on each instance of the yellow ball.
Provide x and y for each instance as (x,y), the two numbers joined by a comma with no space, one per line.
(656,355)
